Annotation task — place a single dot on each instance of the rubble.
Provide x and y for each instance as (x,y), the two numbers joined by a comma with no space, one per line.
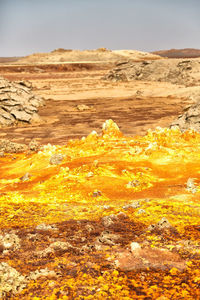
(17,103)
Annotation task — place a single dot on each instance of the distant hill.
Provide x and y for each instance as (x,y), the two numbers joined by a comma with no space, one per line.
(99,55)
(179,53)
(9,59)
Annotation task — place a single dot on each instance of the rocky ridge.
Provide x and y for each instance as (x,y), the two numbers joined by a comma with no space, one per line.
(176,71)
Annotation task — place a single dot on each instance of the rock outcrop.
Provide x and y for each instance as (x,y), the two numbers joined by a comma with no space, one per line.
(176,71)
(17,103)
(190,119)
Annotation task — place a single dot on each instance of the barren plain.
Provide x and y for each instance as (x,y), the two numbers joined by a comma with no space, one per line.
(102,199)
(135,106)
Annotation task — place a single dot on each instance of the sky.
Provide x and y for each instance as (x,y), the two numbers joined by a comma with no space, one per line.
(29,26)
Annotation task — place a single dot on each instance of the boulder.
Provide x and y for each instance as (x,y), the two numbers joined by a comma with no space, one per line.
(17,102)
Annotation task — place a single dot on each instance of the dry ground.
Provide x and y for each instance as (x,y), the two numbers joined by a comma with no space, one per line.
(135,106)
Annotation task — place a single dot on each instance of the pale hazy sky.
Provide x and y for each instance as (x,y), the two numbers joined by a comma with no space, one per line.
(28,26)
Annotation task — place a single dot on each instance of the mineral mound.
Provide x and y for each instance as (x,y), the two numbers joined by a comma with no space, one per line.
(17,102)
(176,71)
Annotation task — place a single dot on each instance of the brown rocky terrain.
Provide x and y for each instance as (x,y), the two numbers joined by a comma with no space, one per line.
(135,105)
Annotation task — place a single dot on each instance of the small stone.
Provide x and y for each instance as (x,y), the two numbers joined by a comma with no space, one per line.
(10,241)
(147,200)
(89,228)
(133,184)
(121,215)
(163,223)
(42,272)
(90,174)
(151,227)
(96,194)
(45,227)
(56,159)
(82,107)
(26,177)
(108,238)
(107,221)
(141,211)
(33,145)
(133,205)
(61,246)
(106,206)
(191,187)
(135,247)
(52,284)
(95,163)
